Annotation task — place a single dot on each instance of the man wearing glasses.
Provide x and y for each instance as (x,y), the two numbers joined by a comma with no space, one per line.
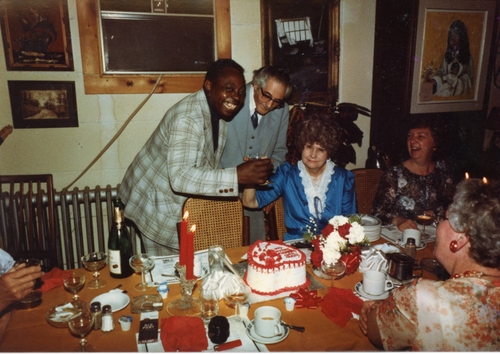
(260,128)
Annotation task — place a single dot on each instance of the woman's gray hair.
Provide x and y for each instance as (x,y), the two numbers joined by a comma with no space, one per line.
(475,211)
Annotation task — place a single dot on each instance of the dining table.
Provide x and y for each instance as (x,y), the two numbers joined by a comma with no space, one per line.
(29,331)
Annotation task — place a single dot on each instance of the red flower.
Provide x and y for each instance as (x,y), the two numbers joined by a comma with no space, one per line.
(327,230)
(344,230)
(316,257)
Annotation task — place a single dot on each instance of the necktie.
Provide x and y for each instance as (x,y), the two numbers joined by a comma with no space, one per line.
(255,119)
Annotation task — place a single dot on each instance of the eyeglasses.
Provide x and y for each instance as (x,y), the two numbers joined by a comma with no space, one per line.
(267,97)
(440,219)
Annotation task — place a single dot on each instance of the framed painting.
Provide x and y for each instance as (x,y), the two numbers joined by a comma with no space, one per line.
(452,51)
(43,104)
(36,35)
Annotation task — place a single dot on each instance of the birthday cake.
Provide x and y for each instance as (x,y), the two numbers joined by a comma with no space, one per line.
(274,268)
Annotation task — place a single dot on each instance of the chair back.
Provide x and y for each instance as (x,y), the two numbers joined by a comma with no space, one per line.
(276,221)
(366,182)
(218,222)
(27,218)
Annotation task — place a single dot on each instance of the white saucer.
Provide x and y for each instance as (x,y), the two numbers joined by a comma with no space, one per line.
(265,340)
(360,291)
(116,299)
(421,247)
(398,282)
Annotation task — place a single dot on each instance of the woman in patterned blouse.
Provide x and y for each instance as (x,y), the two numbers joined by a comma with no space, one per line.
(463,312)
(419,184)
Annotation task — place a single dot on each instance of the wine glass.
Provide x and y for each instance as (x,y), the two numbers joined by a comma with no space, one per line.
(425,218)
(237,295)
(142,262)
(94,262)
(74,282)
(80,325)
(334,270)
(256,157)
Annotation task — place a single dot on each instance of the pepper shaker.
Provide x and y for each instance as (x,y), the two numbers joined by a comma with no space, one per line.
(95,308)
(411,248)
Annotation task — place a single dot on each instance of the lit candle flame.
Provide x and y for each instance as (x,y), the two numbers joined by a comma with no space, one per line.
(193,228)
(485,181)
(186,215)
(466,175)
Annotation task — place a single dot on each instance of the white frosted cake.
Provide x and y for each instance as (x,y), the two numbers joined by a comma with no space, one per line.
(274,267)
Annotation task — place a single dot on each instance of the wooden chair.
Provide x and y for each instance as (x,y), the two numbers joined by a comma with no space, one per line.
(27,218)
(366,184)
(276,221)
(218,222)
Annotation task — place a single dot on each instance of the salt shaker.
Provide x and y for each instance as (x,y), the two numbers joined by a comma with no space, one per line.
(95,308)
(107,319)
(411,248)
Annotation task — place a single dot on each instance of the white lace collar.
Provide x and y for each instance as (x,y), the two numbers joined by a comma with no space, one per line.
(312,191)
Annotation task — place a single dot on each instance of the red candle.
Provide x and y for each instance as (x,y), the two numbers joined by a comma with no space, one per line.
(190,254)
(183,228)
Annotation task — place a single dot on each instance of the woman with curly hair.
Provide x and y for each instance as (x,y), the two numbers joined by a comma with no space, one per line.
(463,312)
(315,189)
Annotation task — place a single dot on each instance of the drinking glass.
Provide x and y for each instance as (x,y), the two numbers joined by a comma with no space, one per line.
(80,325)
(94,262)
(209,300)
(256,157)
(425,218)
(237,295)
(142,262)
(334,270)
(74,282)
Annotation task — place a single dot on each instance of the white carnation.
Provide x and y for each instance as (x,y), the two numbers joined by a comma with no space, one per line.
(356,233)
(338,220)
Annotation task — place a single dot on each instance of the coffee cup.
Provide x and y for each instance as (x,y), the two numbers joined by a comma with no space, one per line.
(267,321)
(412,233)
(401,267)
(375,282)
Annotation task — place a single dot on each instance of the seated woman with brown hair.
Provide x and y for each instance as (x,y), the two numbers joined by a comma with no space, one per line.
(463,312)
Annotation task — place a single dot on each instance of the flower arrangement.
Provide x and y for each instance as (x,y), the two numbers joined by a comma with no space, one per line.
(342,239)
(428,72)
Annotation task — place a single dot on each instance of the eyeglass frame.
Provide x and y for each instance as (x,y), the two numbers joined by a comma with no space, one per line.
(440,219)
(280,103)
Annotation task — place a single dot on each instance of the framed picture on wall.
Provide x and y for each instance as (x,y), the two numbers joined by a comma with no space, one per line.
(452,51)
(36,35)
(43,104)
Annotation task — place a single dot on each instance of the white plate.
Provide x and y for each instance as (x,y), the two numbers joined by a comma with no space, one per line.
(116,299)
(398,282)
(360,291)
(370,221)
(421,247)
(264,340)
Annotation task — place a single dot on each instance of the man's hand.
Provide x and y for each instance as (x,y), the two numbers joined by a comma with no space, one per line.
(254,171)
(17,283)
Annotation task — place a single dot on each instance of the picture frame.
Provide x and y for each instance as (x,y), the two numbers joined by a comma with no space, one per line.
(43,104)
(455,81)
(36,35)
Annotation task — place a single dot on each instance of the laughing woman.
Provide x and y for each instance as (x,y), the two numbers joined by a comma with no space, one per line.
(419,184)
(315,189)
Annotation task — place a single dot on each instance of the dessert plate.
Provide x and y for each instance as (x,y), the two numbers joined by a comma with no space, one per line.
(266,340)
(116,299)
(360,291)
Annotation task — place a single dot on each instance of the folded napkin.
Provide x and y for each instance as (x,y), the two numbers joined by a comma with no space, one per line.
(339,304)
(183,333)
(53,279)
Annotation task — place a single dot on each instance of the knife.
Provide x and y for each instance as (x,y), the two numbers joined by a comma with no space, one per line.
(246,328)
(227,345)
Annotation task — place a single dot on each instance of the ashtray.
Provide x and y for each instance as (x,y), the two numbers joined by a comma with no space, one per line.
(31,300)
(146,303)
(59,315)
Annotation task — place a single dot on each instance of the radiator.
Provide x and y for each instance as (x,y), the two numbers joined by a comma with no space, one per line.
(83,218)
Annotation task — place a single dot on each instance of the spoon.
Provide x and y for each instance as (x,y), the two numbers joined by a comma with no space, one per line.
(297,328)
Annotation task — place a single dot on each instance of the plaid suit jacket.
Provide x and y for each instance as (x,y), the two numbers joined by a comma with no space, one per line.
(178,161)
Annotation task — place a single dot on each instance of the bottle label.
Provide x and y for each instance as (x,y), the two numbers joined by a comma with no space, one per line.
(115,262)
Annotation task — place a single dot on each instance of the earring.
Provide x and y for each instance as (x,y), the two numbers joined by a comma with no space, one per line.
(454,246)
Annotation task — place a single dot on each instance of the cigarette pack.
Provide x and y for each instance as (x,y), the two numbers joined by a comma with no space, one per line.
(148,328)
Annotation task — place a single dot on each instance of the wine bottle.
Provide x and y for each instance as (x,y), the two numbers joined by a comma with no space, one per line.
(119,244)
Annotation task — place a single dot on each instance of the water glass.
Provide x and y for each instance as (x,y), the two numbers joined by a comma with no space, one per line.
(209,300)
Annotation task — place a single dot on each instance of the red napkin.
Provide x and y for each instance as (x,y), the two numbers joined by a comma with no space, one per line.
(339,304)
(52,279)
(183,333)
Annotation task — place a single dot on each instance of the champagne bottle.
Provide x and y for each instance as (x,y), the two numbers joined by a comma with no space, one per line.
(119,244)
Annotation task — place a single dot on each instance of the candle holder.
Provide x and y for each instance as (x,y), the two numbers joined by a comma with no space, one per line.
(186,305)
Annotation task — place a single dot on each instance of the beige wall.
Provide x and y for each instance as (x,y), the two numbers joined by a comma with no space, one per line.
(65,152)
